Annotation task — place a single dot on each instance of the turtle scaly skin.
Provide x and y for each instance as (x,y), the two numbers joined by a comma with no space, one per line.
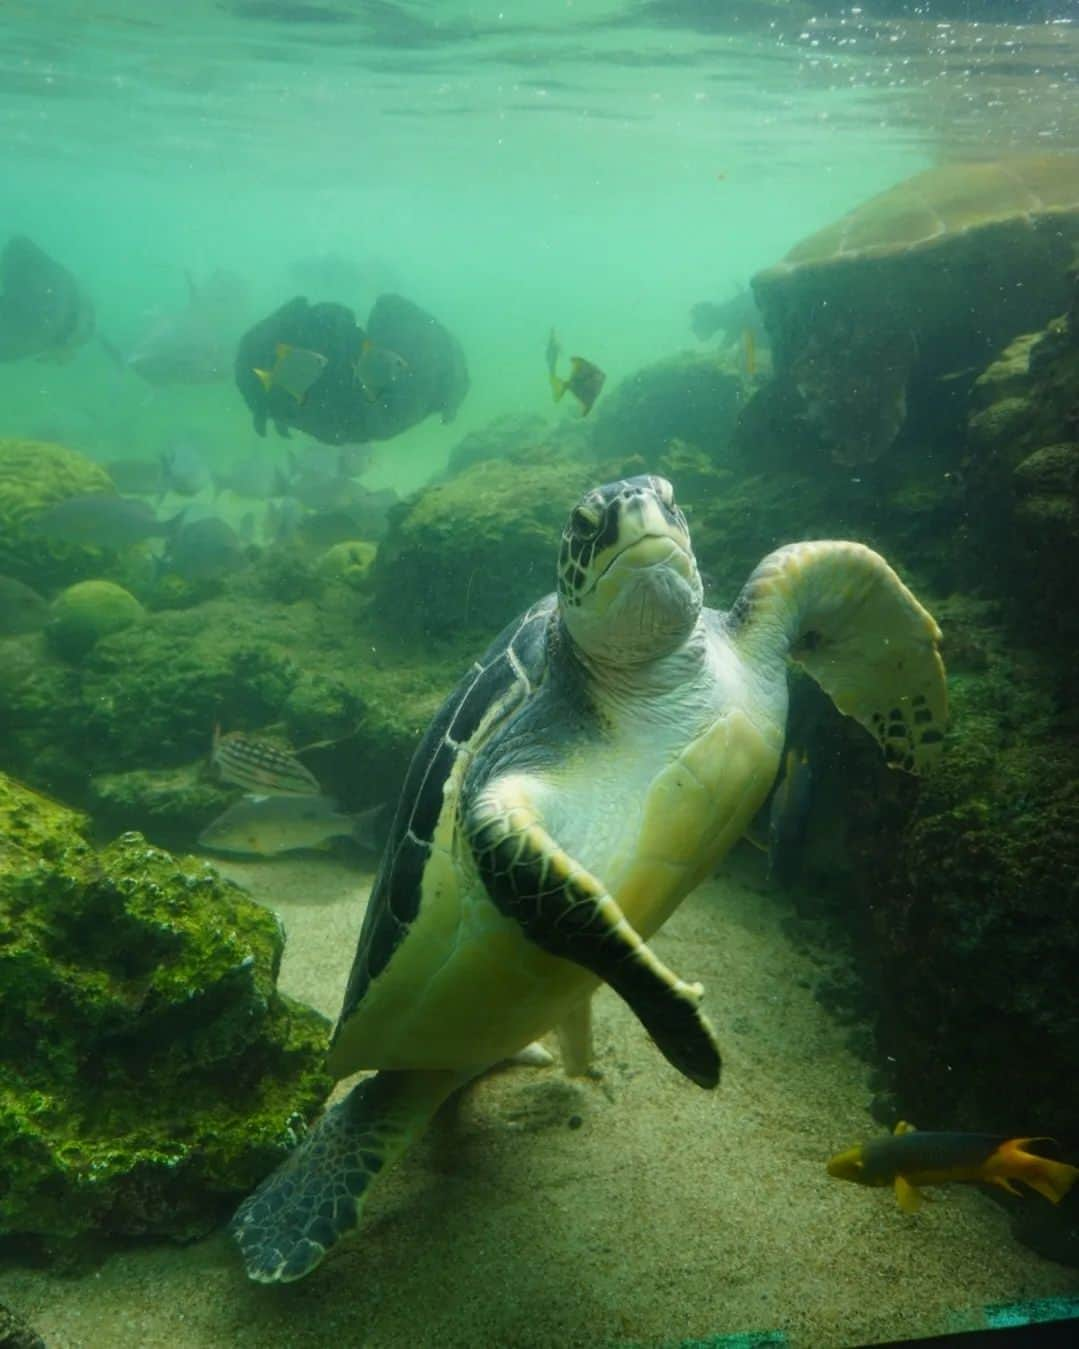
(591,768)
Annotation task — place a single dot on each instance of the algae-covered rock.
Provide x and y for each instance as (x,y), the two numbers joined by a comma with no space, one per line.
(15,1333)
(170,806)
(36,474)
(687,397)
(87,611)
(151,1072)
(470,553)
(348,562)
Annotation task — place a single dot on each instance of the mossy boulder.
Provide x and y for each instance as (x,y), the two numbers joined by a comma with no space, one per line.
(34,475)
(468,554)
(688,396)
(87,611)
(348,562)
(171,805)
(152,1072)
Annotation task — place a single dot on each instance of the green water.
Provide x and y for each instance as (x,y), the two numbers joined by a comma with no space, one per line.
(511,166)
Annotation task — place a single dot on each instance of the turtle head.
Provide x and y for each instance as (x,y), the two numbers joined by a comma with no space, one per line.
(628,584)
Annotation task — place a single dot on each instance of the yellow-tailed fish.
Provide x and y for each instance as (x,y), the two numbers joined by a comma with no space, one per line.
(295,369)
(910,1158)
(585,379)
(378,369)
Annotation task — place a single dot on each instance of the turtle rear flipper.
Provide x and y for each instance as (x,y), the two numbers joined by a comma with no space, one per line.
(303,1208)
(566,911)
(839,610)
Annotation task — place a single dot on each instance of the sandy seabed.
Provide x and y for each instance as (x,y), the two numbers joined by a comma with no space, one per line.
(662,1212)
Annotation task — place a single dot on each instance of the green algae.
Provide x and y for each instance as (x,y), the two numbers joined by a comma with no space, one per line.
(88,611)
(466,555)
(152,1071)
(33,476)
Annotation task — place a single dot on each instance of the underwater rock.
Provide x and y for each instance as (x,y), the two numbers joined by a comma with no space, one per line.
(15,1333)
(152,1072)
(34,475)
(349,562)
(501,438)
(468,554)
(88,611)
(1022,476)
(918,283)
(170,806)
(690,397)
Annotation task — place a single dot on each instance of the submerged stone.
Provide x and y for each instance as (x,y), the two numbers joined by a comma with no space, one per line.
(152,1071)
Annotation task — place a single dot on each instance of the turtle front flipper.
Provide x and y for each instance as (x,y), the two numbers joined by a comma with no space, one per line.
(839,610)
(565,910)
(286,1226)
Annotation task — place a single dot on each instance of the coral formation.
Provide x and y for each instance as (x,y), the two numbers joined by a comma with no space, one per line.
(468,554)
(151,1071)
(690,396)
(35,474)
(88,611)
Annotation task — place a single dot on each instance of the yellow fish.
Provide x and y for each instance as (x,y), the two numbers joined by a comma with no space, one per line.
(910,1158)
(585,379)
(295,369)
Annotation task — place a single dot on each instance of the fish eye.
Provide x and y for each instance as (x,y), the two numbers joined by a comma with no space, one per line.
(586,521)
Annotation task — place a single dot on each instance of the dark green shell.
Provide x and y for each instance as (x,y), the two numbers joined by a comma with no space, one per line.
(507,672)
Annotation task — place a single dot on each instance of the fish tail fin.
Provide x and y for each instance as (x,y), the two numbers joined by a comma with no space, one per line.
(1050,1178)
(558,387)
(264,377)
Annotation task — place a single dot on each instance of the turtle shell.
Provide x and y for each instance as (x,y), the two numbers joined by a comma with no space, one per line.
(943,204)
(933,276)
(493,689)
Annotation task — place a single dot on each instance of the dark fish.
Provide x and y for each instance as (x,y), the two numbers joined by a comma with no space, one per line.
(194,345)
(101,521)
(910,1158)
(283,520)
(322,494)
(732,317)
(43,310)
(585,379)
(183,465)
(204,550)
(264,826)
(261,766)
(254,477)
(142,477)
(22,610)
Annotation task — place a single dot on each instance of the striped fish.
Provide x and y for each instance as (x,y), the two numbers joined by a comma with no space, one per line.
(260,766)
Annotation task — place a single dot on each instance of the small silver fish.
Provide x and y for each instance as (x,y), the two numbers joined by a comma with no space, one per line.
(261,766)
(265,826)
(295,369)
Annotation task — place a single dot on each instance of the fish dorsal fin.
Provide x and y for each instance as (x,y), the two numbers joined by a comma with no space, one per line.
(904,1128)
(908,1197)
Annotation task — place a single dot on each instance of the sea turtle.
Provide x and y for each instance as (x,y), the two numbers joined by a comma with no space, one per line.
(931,277)
(591,768)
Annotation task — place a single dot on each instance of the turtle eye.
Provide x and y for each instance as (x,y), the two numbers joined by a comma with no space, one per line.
(586,521)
